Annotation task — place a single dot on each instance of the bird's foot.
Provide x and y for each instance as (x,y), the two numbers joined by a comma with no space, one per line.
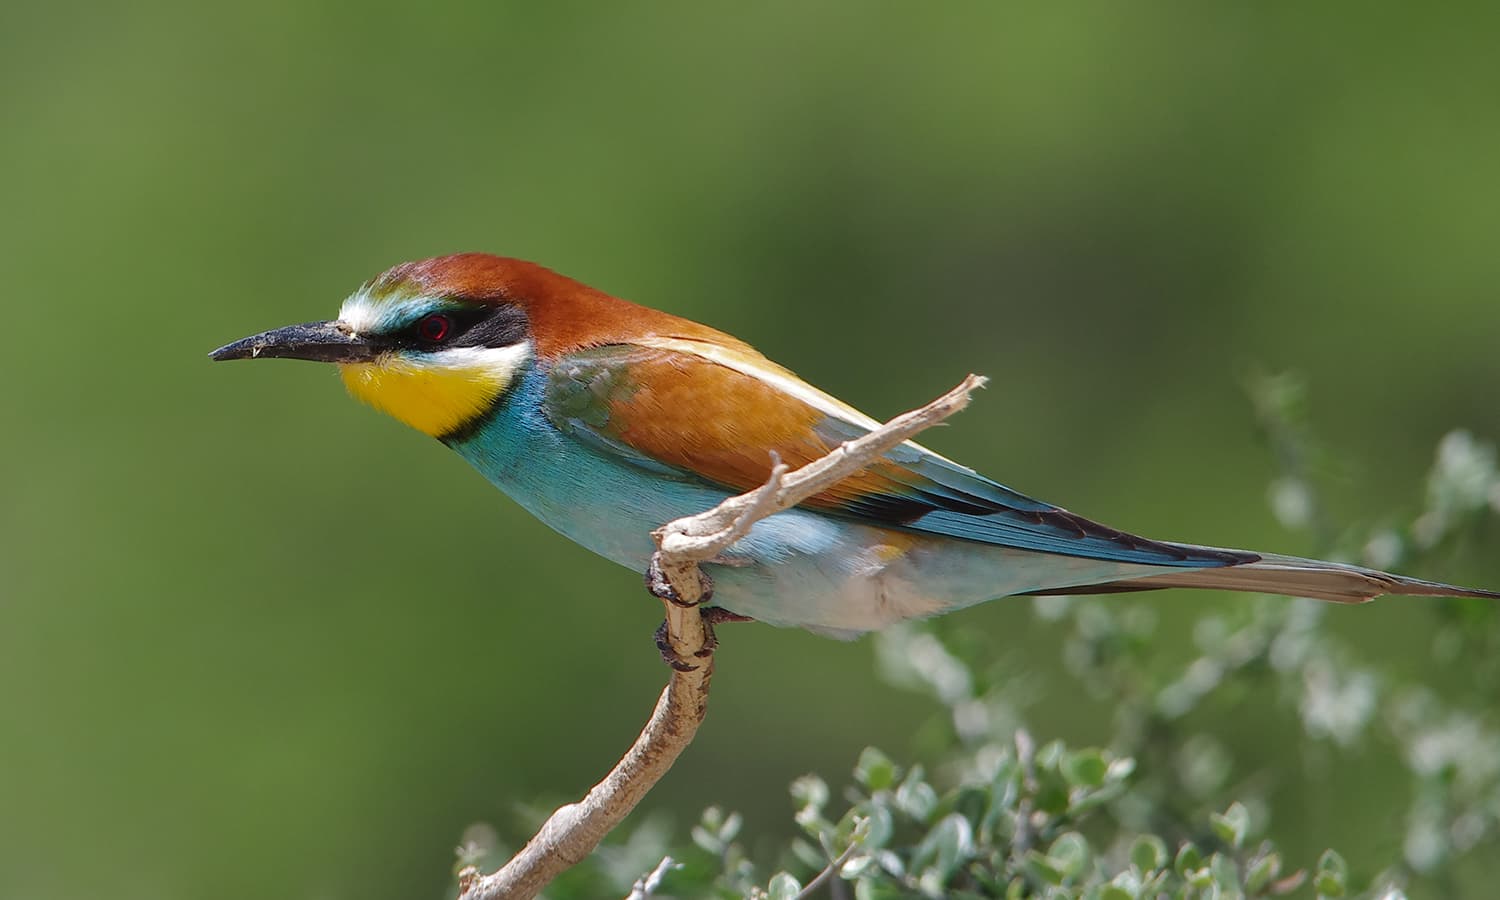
(718,615)
(668,655)
(713,615)
(661,588)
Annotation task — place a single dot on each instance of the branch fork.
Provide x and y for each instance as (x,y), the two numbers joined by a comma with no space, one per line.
(572,832)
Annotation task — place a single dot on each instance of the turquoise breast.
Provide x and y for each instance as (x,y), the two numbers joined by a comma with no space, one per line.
(836,576)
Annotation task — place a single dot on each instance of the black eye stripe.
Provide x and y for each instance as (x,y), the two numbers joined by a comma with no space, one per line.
(503,326)
(497,326)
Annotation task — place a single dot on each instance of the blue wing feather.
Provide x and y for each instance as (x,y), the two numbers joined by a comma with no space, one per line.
(966,505)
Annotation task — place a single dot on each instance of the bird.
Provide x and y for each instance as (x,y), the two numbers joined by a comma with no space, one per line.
(606,419)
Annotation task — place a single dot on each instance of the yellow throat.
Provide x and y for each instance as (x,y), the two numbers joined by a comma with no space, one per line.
(435,393)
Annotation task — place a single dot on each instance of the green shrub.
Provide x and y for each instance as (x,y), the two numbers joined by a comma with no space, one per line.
(1163,810)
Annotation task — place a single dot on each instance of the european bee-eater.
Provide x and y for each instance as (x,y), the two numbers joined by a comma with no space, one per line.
(606,419)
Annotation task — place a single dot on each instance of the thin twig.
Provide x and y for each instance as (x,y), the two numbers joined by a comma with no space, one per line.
(572,832)
(829,869)
(1025,756)
(647,884)
(705,535)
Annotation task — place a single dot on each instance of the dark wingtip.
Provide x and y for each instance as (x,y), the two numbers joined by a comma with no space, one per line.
(1215,557)
(1401,585)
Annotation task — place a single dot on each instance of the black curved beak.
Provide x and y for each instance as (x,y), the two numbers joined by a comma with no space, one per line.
(318,341)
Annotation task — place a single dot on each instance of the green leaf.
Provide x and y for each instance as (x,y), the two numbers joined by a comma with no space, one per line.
(1051,797)
(1332,877)
(875,770)
(879,828)
(783,887)
(916,797)
(1262,872)
(808,855)
(810,791)
(1226,874)
(1121,769)
(952,839)
(1041,869)
(1005,789)
(1333,863)
(731,827)
(1232,825)
(854,825)
(1084,800)
(1124,886)
(1086,768)
(1069,854)
(707,840)
(971,803)
(990,875)
(877,890)
(1189,858)
(1200,878)
(1050,756)
(1148,853)
(812,822)
(858,867)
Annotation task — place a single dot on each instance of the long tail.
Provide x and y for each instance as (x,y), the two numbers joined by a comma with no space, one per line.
(1292,576)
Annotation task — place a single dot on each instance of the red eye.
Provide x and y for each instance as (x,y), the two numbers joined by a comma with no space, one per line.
(434,328)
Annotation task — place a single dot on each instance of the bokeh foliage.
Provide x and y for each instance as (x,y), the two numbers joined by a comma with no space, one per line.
(1139,819)
(255,641)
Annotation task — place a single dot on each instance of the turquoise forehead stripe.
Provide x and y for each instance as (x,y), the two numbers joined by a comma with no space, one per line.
(376,310)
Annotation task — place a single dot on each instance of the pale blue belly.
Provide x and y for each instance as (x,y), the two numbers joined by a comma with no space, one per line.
(795,568)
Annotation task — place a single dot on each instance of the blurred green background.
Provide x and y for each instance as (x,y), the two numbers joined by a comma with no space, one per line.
(256,641)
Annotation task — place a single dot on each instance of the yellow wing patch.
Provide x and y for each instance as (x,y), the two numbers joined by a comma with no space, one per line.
(439,393)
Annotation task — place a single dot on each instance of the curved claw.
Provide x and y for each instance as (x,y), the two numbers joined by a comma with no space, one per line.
(669,655)
(661,588)
(713,615)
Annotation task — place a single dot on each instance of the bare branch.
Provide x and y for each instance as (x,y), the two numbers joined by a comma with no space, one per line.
(833,866)
(706,535)
(571,833)
(647,884)
(1025,753)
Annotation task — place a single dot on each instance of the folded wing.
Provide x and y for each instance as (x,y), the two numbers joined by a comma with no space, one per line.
(703,411)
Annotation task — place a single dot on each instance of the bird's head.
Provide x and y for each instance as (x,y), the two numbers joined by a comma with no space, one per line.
(433,343)
(436,343)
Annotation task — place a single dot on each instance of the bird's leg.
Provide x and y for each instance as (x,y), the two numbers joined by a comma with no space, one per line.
(712,615)
(661,588)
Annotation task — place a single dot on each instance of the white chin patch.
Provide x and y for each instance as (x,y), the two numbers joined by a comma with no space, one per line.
(496,364)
